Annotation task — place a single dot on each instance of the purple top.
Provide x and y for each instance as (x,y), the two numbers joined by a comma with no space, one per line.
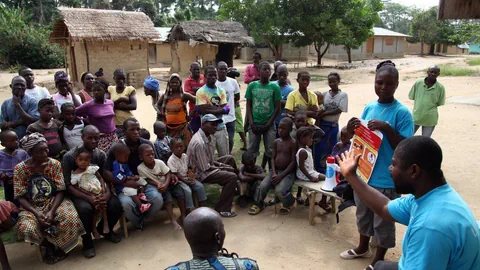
(100,115)
(8,162)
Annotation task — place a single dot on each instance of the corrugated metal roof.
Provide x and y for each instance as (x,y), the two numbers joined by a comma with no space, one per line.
(163,32)
(378,31)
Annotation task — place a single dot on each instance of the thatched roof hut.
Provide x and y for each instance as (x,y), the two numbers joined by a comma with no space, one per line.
(102,25)
(212,32)
(459,9)
(107,39)
(206,42)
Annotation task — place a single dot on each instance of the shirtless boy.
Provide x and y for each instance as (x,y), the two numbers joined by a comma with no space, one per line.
(282,173)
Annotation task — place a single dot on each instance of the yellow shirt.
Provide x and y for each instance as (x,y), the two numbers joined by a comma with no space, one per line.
(120,115)
(296,100)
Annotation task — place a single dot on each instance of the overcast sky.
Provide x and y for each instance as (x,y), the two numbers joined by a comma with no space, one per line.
(419,3)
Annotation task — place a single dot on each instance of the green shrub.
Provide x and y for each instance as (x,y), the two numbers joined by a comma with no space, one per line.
(25,43)
(474,61)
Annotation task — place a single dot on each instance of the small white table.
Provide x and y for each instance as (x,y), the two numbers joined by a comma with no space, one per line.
(312,189)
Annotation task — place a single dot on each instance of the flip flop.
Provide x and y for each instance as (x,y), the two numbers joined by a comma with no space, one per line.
(145,207)
(284,211)
(142,197)
(347,256)
(300,200)
(228,214)
(254,210)
(369,267)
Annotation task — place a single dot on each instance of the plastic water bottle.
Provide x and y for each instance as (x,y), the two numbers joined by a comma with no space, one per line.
(331,175)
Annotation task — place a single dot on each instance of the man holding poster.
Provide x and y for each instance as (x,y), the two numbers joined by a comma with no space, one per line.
(395,123)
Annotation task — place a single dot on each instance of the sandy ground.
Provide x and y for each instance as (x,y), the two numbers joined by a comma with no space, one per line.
(288,242)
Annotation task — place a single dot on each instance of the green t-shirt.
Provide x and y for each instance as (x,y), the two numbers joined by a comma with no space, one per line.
(263,98)
(425,112)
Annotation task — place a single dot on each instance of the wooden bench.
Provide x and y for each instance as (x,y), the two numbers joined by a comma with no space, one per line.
(311,190)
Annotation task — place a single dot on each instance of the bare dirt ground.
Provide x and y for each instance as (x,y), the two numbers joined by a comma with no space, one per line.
(289,242)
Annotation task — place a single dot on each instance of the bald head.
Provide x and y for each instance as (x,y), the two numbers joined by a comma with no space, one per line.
(276,65)
(90,129)
(204,232)
(282,68)
(195,70)
(433,73)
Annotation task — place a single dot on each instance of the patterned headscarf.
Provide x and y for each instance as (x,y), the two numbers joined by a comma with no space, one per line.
(29,141)
(60,76)
(151,84)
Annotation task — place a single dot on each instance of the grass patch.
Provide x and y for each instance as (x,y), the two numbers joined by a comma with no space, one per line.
(473,61)
(453,70)
(317,78)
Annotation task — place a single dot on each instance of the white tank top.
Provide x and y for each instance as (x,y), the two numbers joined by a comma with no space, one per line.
(73,137)
(308,165)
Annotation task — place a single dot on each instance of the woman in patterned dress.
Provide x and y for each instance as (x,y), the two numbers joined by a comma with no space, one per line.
(46,218)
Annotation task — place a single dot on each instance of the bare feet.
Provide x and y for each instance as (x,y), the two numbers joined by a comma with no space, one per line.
(180,221)
(176,226)
(95,233)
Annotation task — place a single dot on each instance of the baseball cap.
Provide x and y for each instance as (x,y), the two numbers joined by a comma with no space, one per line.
(211,118)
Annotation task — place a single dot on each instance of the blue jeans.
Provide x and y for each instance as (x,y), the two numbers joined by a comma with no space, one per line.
(130,208)
(231,135)
(268,139)
(282,189)
(198,188)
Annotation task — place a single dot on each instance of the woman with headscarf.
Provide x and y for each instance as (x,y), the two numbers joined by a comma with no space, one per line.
(173,110)
(46,218)
(65,92)
(86,93)
(151,88)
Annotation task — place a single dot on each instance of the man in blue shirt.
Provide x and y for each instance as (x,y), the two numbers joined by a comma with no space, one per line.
(442,232)
(19,111)
(395,121)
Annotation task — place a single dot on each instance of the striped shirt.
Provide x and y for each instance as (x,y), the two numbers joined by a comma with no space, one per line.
(200,155)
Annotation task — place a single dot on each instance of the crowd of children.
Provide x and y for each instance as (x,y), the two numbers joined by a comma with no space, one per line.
(299,130)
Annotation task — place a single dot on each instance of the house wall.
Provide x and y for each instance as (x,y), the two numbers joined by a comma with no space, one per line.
(164,55)
(289,53)
(131,56)
(183,55)
(415,48)
(384,47)
(474,48)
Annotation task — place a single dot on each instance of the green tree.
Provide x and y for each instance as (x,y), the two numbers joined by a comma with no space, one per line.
(425,28)
(465,31)
(270,30)
(356,26)
(146,6)
(315,22)
(396,17)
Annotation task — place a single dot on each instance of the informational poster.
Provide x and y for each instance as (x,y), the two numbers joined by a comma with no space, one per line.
(366,143)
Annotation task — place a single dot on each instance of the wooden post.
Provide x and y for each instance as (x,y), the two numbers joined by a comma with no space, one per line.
(148,64)
(86,53)
(311,211)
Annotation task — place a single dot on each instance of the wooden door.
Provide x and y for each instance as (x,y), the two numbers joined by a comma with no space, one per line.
(370,44)
(152,53)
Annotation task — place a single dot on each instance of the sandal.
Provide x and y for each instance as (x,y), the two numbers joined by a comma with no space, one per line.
(254,210)
(325,207)
(58,256)
(284,211)
(347,256)
(300,200)
(228,214)
(145,207)
(272,202)
(142,197)
(369,267)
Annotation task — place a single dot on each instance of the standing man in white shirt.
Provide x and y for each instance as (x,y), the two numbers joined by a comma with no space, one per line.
(34,91)
(233,91)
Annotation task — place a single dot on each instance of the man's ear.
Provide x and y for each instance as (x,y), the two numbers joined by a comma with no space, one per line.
(415,171)
(217,237)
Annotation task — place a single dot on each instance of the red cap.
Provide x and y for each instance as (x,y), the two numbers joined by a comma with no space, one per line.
(330,160)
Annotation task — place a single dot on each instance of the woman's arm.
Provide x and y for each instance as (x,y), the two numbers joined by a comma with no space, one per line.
(131,106)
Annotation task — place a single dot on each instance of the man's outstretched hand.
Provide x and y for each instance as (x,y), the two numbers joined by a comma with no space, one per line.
(348,163)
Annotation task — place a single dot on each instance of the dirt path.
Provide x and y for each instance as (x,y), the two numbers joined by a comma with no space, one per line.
(289,242)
